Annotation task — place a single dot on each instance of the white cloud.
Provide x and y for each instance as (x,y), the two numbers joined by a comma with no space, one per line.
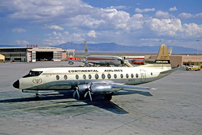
(165,26)
(173,9)
(198,15)
(57,35)
(162,15)
(118,7)
(92,33)
(185,15)
(66,32)
(192,30)
(19,30)
(22,42)
(87,22)
(135,22)
(53,27)
(175,28)
(144,10)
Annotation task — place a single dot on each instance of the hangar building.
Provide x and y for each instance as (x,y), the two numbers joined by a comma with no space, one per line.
(33,54)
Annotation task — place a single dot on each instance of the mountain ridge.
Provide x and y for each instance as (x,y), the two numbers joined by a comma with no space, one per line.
(115,48)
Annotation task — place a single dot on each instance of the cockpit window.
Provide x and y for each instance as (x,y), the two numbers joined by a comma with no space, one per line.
(33,73)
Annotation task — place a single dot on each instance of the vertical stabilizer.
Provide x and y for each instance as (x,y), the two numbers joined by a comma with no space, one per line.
(163,56)
(162,61)
(170,51)
(86,49)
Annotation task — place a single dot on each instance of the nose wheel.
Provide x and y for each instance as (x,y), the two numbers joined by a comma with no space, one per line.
(37,96)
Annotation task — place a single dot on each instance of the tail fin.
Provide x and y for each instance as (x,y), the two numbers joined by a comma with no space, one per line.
(86,49)
(170,51)
(163,56)
(162,61)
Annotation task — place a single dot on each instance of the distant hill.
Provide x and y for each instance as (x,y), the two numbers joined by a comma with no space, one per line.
(115,48)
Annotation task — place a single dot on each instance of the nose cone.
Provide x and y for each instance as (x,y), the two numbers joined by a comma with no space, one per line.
(16,84)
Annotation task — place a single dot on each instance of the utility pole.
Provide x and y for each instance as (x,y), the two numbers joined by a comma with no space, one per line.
(197,45)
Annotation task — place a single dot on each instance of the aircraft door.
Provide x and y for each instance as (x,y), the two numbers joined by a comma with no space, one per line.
(143,75)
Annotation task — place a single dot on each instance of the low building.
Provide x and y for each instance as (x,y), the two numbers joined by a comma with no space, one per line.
(2,58)
(33,54)
(179,60)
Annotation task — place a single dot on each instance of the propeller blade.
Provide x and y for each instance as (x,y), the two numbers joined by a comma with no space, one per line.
(90,96)
(76,92)
(85,94)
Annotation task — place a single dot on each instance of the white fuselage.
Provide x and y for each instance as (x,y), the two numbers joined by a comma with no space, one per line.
(105,60)
(65,78)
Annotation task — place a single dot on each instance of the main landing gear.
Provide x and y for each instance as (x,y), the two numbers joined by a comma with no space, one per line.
(108,97)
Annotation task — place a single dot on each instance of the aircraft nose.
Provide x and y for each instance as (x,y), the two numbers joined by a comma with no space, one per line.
(16,84)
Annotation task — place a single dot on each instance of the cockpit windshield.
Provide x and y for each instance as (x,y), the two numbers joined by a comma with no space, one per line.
(33,73)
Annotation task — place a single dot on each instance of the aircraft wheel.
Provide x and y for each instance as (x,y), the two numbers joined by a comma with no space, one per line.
(108,97)
(37,96)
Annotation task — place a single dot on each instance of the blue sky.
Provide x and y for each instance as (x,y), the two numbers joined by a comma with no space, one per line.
(125,22)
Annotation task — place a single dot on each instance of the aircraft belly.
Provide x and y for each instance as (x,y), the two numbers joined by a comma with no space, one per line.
(56,85)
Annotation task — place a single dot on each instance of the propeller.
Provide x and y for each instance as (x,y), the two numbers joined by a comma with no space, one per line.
(88,92)
(76,92)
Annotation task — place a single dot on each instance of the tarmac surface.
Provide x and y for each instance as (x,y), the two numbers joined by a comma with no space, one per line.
(175,108)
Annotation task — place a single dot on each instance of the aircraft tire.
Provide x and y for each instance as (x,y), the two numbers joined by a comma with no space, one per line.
(108,97)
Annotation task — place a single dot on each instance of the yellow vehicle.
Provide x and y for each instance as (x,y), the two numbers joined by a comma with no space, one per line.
(193,67)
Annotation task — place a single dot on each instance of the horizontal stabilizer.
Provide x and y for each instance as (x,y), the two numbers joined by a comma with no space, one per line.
(167,72)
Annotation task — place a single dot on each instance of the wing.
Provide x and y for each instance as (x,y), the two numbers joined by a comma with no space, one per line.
(129,86)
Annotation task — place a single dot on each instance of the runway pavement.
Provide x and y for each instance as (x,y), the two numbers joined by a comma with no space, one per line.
(174,108)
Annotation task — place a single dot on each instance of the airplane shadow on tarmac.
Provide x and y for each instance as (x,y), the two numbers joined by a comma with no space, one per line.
(98,100)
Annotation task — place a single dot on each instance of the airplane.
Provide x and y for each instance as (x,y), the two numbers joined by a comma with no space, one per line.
(91,80)
(101,60)
(139,60)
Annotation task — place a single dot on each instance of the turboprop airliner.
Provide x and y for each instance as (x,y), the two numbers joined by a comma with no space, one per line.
(101,60)
(90,80)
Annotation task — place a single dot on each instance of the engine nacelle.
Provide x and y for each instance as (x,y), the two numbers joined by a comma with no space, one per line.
(83,87)
(70,62)
(95,88)
(103,88)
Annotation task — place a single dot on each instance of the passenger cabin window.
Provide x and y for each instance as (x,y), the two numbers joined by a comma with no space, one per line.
(96,76)
(121,75)
(89,76)
(103,76)
(151,73)
(33,73)
(132,75)
(84,77)
(77,77)
(65,77)
(127,75)
(57,77)
(136,75)
(115,76)
(109,76)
